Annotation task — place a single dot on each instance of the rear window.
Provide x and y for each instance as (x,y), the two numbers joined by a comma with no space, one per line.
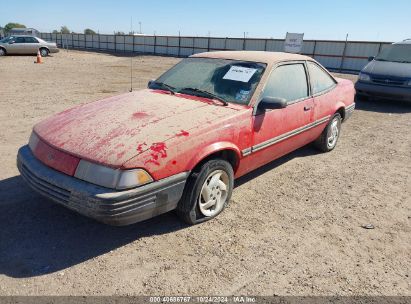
(320,80)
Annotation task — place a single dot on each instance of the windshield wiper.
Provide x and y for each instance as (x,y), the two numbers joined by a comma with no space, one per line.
(205,94)
(164,86)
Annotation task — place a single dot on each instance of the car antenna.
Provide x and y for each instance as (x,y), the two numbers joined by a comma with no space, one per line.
(131,57)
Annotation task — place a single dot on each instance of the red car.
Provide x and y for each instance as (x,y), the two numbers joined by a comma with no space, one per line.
(180,143)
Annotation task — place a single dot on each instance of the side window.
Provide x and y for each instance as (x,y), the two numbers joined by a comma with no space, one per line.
(19,40)
(31,40)
(288,82)
(320,80)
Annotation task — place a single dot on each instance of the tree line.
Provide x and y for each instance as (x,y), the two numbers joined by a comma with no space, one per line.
(63,29)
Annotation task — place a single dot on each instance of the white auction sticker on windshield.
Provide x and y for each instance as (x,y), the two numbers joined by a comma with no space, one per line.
(239,73)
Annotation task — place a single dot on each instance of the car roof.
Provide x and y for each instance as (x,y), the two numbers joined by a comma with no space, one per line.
(254,56)
(406,41)
(23,36)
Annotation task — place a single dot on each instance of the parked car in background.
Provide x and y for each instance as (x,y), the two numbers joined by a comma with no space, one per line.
(26,45)
(388,75)
(180,143)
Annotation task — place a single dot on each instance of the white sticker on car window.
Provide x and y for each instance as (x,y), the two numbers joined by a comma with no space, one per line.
(239,73)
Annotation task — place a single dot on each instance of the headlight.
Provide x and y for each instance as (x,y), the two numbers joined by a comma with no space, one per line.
(111,178)
(364,77)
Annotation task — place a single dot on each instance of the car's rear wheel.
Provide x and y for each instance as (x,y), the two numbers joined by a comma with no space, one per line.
(44,52)
(329,137)
(2,52)
(207,192)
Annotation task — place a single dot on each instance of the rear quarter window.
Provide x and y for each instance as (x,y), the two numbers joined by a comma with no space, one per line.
(320,80)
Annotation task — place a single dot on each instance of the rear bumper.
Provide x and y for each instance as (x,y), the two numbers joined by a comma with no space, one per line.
(349,110)
(383,91)
(106,205)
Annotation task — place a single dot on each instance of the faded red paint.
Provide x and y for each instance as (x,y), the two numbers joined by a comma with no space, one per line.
(139,115)
(120,155)
(55,158)
(183,133)
(140,147)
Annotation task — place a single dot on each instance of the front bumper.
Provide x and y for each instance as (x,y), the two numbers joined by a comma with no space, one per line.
(106,205)
(383,91)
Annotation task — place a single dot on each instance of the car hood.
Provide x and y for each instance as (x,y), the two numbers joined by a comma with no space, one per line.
(116,129)
(386,68)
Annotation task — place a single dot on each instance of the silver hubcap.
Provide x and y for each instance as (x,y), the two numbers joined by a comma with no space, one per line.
(43,53)
(2,52)
(333,134)
(214,193)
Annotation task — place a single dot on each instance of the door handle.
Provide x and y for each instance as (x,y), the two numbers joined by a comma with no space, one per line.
(307,108)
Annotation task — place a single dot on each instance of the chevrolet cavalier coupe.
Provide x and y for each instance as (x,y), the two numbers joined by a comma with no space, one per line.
(180,143)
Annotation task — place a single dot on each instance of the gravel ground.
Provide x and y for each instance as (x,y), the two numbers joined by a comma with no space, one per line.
(293,227)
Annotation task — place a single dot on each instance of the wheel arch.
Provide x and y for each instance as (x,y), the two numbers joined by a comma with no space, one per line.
(44,47)
(225,151)
(340,108)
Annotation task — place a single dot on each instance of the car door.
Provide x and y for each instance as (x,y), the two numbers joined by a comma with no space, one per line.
(19,46)
(31,45)
(322,88)
(277,132)
(12,46)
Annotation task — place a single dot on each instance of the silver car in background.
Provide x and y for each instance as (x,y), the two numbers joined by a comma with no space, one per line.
(22,44)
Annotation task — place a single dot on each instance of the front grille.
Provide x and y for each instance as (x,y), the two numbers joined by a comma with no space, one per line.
(44,187)
(388,81)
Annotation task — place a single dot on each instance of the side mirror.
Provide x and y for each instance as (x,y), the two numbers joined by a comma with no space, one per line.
(11,42)
(371,58)
(272,103)
(150,83)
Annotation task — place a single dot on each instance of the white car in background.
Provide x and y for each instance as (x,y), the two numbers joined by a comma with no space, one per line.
(22,44)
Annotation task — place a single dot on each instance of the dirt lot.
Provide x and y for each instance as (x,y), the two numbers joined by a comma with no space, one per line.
(292,227)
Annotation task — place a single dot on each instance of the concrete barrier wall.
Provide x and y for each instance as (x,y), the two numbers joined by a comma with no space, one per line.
(350,56)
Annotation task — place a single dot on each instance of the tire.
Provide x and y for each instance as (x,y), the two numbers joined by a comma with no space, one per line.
(3,52)
(44,52)
(193,207)
(329,137)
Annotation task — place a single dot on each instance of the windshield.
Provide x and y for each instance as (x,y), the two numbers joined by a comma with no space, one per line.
(7,39)
(396,53)
(230,80)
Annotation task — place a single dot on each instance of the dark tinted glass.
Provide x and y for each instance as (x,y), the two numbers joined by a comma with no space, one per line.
(320,80)
(19,40)
(288,82)
(30,40)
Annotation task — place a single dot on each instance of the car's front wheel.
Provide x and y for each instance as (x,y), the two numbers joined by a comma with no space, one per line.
(329,137)
(207,192)
(44,52)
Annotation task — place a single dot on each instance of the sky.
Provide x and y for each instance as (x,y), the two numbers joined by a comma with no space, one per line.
(375,20)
